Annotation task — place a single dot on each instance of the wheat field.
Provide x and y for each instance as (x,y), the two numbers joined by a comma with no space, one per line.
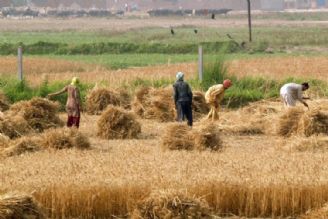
(252,176)
(279,68)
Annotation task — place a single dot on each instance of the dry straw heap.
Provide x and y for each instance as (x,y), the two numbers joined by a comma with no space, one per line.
(19,207)
(181,137)
(116,123)
(98,100)
(51,139)
(154,104)
(298,121)
(171,204)
(31,116)
(199,106)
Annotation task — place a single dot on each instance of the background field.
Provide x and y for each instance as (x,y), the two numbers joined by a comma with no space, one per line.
(252,177)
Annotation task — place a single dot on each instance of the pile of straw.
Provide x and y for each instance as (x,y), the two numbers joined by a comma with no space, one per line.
(313,122)
(298,121)
(4,104)
(19,207)
(125,99)
(207,137)
(39,113)
(288,122)
(156,104)
(116,123)
(64,138)
(14,126)
(178,137)
(170,204)
(199,106)
(181,137)
(306,144)
(4,141)
(60,138)
(98,100)
(22,145)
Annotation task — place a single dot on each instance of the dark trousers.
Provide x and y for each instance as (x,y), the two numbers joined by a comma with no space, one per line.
(184,110)
(73,121)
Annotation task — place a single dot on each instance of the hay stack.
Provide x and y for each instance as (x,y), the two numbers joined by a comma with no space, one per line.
(19,206)
(288,122)
(39,113)
(98,99)
(171,205)
(125,99)
(22,145)
(64,138)
(199,106)
(298,121)
(115,123)
(178,137)
(181,137)
(4,104)
(155,104)
(207,137)
(313,122)
(14,126)
(302,144)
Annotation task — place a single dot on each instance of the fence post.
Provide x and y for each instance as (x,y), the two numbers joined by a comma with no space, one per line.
(20,63)
(200,63)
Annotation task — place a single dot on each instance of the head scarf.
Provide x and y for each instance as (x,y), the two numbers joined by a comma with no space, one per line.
(179,76)
(75,81)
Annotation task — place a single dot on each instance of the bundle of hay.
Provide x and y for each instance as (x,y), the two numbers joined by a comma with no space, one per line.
(178,137)
(115,123)
(125,99)
(298,121)
(22,145)
(301,144)
(4,104)
(54,138)
(64,138)
(155,104)
(19,206)
(181,137)
(207,137)
(39,113)
(14,126)
(199,106)
(171,205)
(313,122)
(288,122)
(98,100)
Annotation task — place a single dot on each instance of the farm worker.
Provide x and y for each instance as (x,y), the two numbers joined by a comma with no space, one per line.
(213,96)
(292,92)
(73,104)
(182,98)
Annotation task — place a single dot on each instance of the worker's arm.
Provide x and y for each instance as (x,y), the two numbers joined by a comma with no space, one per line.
(57,93)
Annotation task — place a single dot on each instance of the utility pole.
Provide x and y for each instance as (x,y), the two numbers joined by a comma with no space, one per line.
(249,20)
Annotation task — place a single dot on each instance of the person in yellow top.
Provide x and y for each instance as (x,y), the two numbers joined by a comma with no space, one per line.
(213,96)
